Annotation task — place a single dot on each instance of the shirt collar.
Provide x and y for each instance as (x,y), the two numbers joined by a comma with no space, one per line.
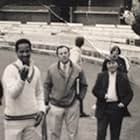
(62,65)
(58,64)
(112,74)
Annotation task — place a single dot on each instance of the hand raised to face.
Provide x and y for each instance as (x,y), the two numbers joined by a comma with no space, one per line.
(24,72)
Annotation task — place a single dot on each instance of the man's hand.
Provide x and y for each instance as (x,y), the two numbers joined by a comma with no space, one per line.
(47,109)
(24,72)
(39,118)
(121,105)
(106,96)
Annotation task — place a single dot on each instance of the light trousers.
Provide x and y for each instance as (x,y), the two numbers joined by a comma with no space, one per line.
(20,130)
(70,115)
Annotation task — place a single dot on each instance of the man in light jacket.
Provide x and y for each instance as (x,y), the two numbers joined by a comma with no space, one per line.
(64,85)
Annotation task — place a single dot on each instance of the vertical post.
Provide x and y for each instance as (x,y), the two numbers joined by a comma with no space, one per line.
(88,11)
(49,15)
(89,5)
(71,14)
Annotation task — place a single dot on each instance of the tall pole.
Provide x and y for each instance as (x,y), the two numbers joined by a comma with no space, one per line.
(88,10)
(89,5)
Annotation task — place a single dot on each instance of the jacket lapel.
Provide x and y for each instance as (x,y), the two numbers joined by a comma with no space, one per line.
(70,79)
(61,72)
(106,81)
(118,79)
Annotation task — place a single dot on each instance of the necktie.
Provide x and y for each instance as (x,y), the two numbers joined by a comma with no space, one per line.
(65,69)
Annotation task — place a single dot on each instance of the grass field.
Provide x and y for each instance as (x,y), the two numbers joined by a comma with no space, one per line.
(87,126)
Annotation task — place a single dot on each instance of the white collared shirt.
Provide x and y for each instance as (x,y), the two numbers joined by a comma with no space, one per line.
(111,92)
(75,55)
(65,67)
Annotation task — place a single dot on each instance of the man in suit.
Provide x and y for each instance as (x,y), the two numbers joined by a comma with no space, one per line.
(113,93)
(64,85)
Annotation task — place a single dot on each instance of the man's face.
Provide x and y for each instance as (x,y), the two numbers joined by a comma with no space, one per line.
(115,54)
(24,53)
(63,55)
(112,66)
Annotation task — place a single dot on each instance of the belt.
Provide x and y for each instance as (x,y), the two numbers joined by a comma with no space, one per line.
(113,102)
(22,117)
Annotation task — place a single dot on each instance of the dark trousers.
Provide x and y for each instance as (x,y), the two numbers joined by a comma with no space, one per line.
(112,117)
(81,106)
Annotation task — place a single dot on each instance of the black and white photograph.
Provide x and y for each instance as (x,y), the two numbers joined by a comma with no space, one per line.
(69,69)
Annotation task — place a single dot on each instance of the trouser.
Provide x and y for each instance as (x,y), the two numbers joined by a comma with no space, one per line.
(57,115)
(112,117)
(20,130)
(81,106)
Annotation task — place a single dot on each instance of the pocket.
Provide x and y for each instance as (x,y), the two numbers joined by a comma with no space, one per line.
(56,109)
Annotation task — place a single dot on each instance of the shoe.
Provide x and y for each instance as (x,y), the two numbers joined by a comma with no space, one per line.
(93,117)
(84,115)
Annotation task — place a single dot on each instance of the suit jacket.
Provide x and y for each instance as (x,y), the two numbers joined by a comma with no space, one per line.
(61,90)
(123,90)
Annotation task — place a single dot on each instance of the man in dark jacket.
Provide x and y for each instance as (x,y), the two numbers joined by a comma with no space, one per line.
(113,93)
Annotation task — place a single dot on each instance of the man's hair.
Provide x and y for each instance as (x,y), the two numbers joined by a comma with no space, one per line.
(79,41)
(60,47)
(114,48)
(112,60)
(21,41)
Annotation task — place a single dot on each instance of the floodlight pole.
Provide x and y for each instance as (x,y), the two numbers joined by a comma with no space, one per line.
(89,5)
